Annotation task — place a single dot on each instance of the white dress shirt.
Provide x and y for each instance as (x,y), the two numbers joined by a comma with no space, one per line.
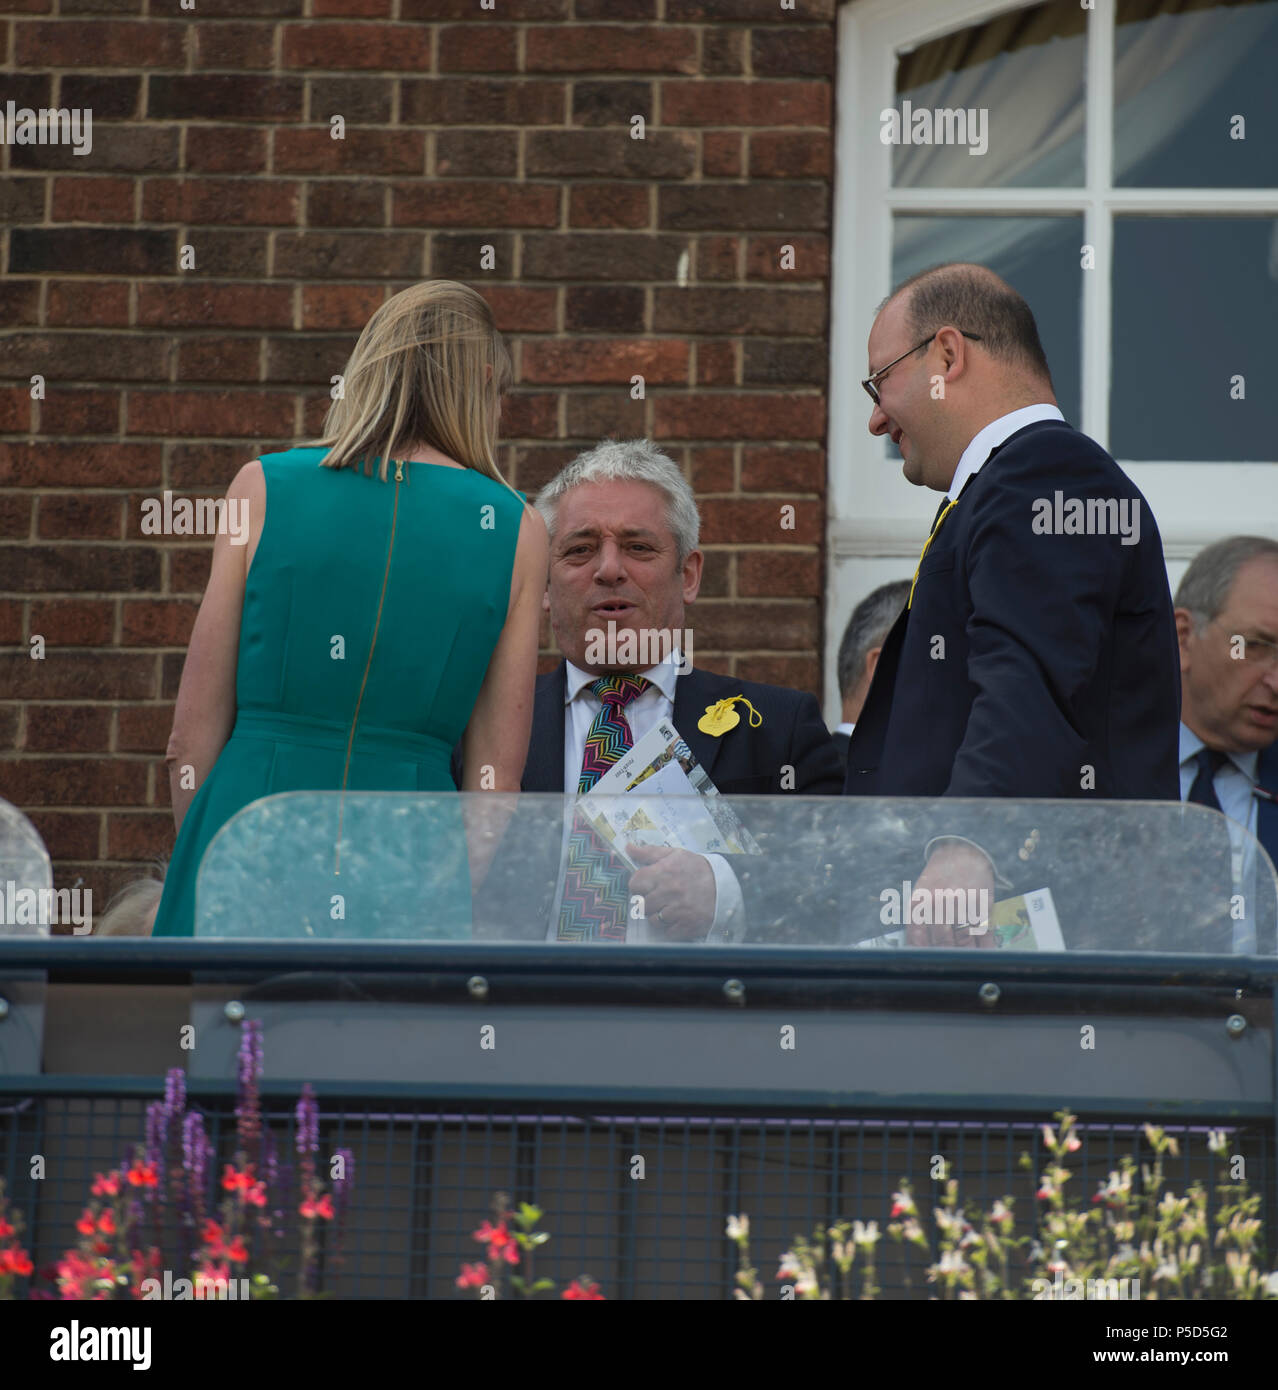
(581,705)
(1232,784)
(845,728)
(994,434)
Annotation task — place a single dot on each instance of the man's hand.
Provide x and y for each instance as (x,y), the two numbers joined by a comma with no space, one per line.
(677,888)
(953,869)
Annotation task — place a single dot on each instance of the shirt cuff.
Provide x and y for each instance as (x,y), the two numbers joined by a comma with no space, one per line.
(729,906)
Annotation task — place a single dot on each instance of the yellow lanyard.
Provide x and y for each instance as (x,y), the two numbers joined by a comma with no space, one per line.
(720,717)
(926,545)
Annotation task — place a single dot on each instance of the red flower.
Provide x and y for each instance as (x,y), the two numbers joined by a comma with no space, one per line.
(106,1222)
(5,1229)
(86,1224)
(212,1237)
(105,1185)
(583,1288)
(488,1234)
(256,1194)
(236,1250)
(19,1261)
(143,1175)
(472,1276)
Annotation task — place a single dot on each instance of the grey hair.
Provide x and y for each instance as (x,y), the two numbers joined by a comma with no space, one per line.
(1204,587)
(870,623)
(629,461)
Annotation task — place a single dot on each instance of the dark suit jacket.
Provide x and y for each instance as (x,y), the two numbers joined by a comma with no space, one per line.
(1027,658)
(1266,810)
(745,761)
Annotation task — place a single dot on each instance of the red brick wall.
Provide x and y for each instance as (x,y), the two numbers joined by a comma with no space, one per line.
(463,127)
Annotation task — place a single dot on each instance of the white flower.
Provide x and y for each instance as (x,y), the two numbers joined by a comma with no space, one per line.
(738,1227)
(865,1234)
(1217,1140)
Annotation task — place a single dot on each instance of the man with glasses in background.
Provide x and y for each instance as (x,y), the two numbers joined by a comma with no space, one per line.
(1227,622)
(1036,655)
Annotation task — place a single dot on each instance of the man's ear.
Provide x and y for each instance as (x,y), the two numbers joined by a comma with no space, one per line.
(1185,633)
(545,599)
(692,575)
(871,662)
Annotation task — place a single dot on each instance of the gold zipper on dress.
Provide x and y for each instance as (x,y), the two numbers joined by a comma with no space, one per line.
(399,478)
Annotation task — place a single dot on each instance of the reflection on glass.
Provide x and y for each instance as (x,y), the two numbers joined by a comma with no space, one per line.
(819,871)
(1195,302)
(1184,70)
(1039,256)
(1018,82)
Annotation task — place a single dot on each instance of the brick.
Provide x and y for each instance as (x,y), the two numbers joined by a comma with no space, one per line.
(201,305)
(219,359)
(491,153)
(306,358)
(455,101)
(615,9)
(783,154)
(345,203)
(150,43)
(593,417)
(15,409)
(611,103)
(723,51)
(20,302)
(341,47)
(593,309)
(261,202)
(225,97)
(74,622)
(22,200)
(478,48)
(70,568)
(100,7)
(100,250)
(111,98)
(597,256)
(139,834)
(66,728)
(143,728)
(717,363)
(52,781)
(713,470)
(721,102)
(340,306)
(80,516)
(363,152)
(433,11)
(718,257)
(727,521)
(762,310)
(779,574)
(358,100)
(315,407)
(127,148)
(530,415)
(11,627)
(459,256)
(199,468)
(775,362)
(721,154)
(15,516)
(212,413)
(749,11)
(103,303)
(608,205)
(581,153)
(63,357)
(610,48)
(536,464)
(234,46)
(343,255)
(253,9)
(492,204)
(9,726)
(54,464)
(810,256)
(765,469)
(68,411)
(792,52)
(605,360)
(716,575)
(744,206)
(522,311)
(241,255)
(793,672)
(225,149)
(68,834)
(189,570)
(734,625)
(157,622)
(739,416)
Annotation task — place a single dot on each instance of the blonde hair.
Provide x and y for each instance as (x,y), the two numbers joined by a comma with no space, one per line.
(132,911)
(418,374)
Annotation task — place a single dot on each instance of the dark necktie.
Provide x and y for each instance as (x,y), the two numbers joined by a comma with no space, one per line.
(1203,792)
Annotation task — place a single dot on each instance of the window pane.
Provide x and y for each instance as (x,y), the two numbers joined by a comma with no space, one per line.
(1038,256)
(1018,80)
(1183,70)
(1195,303)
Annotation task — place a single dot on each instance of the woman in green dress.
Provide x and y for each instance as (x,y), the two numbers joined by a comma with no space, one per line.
(384,603)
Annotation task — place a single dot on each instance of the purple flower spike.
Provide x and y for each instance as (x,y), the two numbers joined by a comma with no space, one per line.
(248,1108)
(307,1122)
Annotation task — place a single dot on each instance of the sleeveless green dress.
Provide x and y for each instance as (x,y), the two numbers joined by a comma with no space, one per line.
(347,626)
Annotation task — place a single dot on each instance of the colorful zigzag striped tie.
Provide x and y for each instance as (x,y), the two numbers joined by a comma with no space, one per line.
(596,882)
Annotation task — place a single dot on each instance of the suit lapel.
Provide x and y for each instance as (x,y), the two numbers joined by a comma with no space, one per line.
(693,693)
(1267,811)
(544,770)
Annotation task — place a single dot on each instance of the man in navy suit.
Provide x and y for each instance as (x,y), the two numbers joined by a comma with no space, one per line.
(1037,654)
(1227,621)
(624,564)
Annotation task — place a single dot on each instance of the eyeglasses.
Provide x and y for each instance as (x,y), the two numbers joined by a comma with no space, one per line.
(871,382)
(1258,653)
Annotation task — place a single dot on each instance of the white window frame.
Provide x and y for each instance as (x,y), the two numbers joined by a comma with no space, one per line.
(874,515)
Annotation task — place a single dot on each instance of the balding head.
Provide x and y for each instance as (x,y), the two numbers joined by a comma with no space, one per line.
(973,355)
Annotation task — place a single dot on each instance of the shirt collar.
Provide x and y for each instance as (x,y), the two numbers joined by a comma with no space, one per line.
(1191,745)
(663,675)
(994,434)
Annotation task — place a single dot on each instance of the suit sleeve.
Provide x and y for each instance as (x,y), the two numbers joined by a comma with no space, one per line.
(818,770)
(1040,627)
